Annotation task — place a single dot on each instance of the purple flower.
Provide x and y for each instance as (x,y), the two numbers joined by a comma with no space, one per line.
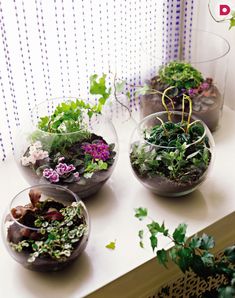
(204,86)
(98,150)
(63,168)
(51,175)
(192,91)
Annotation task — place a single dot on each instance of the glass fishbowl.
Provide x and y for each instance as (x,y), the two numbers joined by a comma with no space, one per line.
(197,67)
(171,154)
(67,144)
(45,233)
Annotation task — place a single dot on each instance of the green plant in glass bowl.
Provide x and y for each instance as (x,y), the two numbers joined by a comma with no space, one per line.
(45,233)
(171,152)
(70,143)
(207,101)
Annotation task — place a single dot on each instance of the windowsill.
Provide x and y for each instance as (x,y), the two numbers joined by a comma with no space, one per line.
(112,218)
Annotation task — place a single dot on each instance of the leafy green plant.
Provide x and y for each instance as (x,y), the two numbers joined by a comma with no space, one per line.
(68,116)
(52,230)
(63,149)
(191,254)
(180,75)
(178,151)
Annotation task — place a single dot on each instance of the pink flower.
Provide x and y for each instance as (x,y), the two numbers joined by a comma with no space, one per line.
(51,175)
(61,159)
(76,176)
(63,168)
(204,86)
(47,173)
(54,177)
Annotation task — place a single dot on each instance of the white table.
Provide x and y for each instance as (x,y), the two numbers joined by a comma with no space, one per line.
(112,218)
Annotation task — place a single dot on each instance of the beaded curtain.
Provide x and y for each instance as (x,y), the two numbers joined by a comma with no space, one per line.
(50,49)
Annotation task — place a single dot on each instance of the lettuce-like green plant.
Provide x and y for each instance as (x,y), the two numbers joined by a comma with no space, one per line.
(180,74)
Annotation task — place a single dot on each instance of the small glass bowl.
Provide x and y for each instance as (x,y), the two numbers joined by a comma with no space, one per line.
(36,234)
(151,167)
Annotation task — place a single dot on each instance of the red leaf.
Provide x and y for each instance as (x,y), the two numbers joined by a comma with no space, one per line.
(53,215)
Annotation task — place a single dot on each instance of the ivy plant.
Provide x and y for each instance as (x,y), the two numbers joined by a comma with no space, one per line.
(191,254)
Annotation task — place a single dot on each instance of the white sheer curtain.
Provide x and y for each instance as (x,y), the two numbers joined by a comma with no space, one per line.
(50,48)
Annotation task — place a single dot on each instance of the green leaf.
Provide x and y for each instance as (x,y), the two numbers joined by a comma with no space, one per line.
(153,240)
(98,87)
(207,258)
(207,242)
(154,228)
(141,235)
(141,213)
(111,245)
(120,86)
(179,233)
(184,258)
(232,22)
(230,254)
(162,257)
(173,254)
(142,90)
(128,95)
(195,242)
(227,292)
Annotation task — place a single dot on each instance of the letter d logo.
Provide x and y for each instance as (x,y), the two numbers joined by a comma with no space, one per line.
(224,10)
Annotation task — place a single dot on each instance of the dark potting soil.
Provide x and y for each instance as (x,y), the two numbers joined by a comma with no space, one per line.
(207,105)
(85,187)
(166,187)
(44,263)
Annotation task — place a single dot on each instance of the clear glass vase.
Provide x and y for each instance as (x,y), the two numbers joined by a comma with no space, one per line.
(206,52)
(81,160)
(45,233)
(166,169)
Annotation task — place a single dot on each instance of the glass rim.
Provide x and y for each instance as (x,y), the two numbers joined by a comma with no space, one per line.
(77,199)
(226,42)
(140,131)
(69,98)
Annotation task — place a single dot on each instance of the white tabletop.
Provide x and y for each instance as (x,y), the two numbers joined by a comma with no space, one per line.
(112,218)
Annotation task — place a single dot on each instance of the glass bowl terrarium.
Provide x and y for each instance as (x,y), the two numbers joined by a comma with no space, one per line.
(197,71)
(68,143)
(171,153)
(45,233)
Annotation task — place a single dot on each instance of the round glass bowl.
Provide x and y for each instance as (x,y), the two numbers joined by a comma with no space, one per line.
(210,59)
(45,233)
(81,160)
(166,169)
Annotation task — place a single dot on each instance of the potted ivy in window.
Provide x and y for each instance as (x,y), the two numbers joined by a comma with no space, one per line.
(207,101)
(171,152)
(45,233)
(69,143)
(194,256)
